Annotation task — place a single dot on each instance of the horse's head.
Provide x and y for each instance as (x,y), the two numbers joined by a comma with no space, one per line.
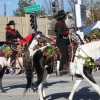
(43,40)
(76,38)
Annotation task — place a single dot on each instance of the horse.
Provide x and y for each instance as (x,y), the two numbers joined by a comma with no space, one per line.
(43,69)
(77,68)
(32,41)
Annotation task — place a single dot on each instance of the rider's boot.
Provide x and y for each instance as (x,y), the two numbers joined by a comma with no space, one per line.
(12,63)
(64,69)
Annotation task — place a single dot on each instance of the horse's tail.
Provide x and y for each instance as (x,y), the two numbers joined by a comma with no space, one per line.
(29,74)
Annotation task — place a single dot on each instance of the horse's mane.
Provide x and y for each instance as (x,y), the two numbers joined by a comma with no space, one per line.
(91,49)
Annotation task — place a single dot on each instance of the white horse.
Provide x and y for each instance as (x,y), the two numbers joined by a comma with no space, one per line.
(91,49)
(76,68)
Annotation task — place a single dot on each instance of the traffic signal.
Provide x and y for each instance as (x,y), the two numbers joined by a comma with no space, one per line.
(33,21)
(55,6)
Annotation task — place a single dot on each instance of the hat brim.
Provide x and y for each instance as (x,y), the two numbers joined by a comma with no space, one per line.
(11,24)
(59,17)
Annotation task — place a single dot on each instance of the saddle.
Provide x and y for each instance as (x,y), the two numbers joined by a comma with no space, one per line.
(70,55)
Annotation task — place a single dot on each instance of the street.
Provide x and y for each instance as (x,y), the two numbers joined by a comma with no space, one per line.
(56,88)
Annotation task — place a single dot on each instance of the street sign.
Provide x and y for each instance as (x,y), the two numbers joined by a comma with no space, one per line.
(32,8)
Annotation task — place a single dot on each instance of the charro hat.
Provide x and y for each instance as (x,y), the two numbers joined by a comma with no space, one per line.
(11,23)
(60,14)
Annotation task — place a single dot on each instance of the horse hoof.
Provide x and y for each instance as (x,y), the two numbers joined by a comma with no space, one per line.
(44,98)
(69,99)
(35,91)
(4,91)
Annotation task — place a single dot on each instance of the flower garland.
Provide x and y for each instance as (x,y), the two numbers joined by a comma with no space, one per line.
(8,52)
(89,62)
(49,52)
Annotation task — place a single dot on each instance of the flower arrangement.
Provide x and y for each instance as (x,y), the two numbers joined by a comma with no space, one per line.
(89,62)
(6,50)
(49,51)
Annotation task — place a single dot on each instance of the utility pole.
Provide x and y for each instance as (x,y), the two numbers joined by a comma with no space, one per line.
(32,2)
(50,1)
(4,9)
(5,4)
(62,4)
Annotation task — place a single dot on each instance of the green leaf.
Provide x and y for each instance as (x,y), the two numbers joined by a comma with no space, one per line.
(88,62)
(50,50)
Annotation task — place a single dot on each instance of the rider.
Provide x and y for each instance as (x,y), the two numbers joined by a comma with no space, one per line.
(62,32)
(11,37)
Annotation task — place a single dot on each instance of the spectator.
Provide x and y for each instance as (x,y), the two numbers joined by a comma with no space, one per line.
(87,39)
(95,37)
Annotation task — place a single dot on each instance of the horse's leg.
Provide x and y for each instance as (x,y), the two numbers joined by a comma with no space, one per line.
(1,87)
(45,77)
(96,87)
(58,64)
(87,74)
(1,84)
(40,87)
(77,82)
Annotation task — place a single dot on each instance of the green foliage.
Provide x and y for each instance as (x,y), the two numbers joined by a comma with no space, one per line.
(50,51)
(98,3)
(20,10)
(89,62)
(94,31)
(5,50)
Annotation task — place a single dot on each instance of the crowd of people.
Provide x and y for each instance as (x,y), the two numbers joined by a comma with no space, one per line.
(94,37)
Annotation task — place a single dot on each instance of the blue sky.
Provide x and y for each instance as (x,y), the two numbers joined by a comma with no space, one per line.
(14,6)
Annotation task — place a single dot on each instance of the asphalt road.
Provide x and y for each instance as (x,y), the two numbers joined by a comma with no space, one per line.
(56,88)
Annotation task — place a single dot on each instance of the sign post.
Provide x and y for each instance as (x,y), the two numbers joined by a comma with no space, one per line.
(80,16)
(32,8)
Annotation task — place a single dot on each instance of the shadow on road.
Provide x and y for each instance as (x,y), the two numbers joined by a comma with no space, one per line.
(15,86)
(82,94)
(46,85)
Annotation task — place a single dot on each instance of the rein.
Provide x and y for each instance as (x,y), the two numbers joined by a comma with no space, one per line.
(71,37)
(84,52)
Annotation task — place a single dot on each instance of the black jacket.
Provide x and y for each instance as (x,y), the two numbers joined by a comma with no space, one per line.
(61,29)
(12,34)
